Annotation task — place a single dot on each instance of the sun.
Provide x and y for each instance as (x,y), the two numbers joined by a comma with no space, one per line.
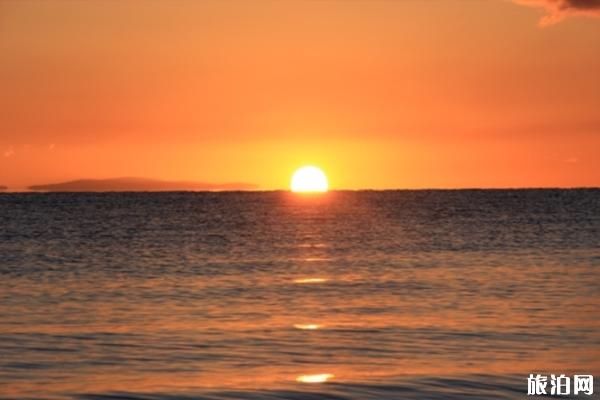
(309,179)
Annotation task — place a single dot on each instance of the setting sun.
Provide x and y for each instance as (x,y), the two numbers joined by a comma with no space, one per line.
(309,179)
(299,199)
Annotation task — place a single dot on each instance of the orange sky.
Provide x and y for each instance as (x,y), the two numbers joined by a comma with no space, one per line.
(380,94)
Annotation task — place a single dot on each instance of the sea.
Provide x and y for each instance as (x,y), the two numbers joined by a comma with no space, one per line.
(425,294)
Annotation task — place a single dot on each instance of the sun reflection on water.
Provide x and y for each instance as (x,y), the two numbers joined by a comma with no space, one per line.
(313,245)
(318,378)
(309,327)
(310,280)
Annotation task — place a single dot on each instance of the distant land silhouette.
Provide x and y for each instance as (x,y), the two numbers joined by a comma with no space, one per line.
(3,188)
(137,185)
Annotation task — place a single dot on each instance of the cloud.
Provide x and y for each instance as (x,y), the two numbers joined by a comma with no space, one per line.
(9,152)
(557,10)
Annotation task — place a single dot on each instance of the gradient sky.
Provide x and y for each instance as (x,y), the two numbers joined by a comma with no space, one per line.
(380,94)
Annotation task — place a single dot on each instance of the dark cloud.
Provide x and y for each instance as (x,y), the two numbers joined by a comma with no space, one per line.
(582,4)
(557,10)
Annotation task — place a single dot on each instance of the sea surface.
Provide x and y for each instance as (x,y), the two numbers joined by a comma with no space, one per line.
(274,295)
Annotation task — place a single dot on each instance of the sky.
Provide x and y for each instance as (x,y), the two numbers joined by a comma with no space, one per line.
(379,94)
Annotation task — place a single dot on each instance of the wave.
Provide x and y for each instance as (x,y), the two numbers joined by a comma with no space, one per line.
(447,388)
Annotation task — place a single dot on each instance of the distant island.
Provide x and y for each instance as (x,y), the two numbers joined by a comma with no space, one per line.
(2,188)
(138,185)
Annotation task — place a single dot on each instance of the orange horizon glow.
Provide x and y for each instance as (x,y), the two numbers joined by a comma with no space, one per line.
(380,95)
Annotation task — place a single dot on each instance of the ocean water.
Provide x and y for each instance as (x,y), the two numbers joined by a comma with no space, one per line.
(373,295)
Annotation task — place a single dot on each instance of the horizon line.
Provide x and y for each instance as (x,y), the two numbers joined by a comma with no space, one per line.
(467,188)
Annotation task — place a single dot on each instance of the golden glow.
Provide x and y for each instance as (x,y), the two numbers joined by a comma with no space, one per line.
(309,327)
(258,124)
(309,179)
(318,378)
